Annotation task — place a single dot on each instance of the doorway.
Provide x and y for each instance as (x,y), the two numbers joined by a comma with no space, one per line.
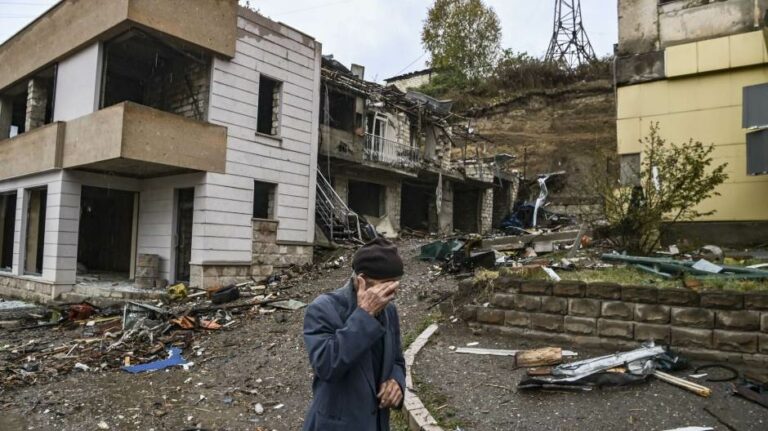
(105,234)
(35,234)
(7,229)
(185,206)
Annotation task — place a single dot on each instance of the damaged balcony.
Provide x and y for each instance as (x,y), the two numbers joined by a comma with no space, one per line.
(125,139)
(378,149)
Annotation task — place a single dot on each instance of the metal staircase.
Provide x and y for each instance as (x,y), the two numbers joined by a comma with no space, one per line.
(338,222)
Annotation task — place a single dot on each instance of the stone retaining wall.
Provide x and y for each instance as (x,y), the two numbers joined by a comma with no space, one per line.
(728,322)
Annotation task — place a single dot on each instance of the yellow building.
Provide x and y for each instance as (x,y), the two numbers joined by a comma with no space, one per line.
(684,64)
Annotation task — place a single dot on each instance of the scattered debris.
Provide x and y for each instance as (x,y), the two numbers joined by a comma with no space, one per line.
(701,269)
(290,304)
(685,384)
(174,359)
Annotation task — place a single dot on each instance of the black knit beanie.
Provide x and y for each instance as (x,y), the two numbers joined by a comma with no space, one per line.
(378,260)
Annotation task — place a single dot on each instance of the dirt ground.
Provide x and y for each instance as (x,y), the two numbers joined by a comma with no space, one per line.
(261,359)
(479,393)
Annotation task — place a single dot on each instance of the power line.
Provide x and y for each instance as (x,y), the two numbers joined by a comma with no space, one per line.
(412,63)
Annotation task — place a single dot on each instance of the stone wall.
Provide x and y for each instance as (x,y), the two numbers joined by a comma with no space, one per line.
(486,210)
(32,290)
(716,325)
(209,276)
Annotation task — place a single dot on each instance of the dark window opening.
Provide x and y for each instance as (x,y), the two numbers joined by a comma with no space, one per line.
(150,71)
(7,229)
(421,205)
(341,111)
(35,234)
(263,200)
(466,205)
(30,102)
(106,228)
(367,198)
(268,120)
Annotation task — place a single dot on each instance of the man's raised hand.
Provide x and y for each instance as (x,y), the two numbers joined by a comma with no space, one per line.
(374,299)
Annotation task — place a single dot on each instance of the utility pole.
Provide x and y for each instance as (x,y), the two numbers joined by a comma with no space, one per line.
(570,44)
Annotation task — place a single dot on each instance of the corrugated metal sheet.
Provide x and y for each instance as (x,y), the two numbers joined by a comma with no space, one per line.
(755,112)
(757,152)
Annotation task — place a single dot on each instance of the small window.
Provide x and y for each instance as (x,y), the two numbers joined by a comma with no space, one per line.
(7,229)
(263,200)
(268,120)
(630,169)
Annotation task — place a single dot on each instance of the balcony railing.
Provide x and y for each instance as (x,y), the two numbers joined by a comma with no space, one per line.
(380,150)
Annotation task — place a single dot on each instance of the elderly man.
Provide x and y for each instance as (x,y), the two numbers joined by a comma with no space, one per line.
(353,339)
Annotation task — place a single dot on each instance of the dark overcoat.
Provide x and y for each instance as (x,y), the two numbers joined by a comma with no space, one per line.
(338,336)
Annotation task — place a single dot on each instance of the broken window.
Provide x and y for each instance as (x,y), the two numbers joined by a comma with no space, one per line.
(341,110)
(7,229)
(367,198)
(29,104)
(629,174)
(268,117)
(154,72)
(35,235)
(263,200)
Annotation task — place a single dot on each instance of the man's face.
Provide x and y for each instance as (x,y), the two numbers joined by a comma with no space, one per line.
(373,282)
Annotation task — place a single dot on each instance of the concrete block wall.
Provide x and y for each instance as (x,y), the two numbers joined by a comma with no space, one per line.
(715,325)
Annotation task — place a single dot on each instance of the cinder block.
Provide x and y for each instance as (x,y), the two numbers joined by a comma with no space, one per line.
(739,320)
(615,329)
(584,307)
(554,305)
(506,283)
(468,313)
(722,299)
(603,291)
(503,300)
(568,288)
(652,313)
(517,319)
(674,296)
(536,287)
(762,343)
(580,325)
(649,331)
(730,341)
(693,317)
(526,303)
(547,322)
(618,310)
(690,337)
(644,294)
(490,315)
(756,301)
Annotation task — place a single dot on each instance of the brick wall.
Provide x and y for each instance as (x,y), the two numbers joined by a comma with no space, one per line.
(716,325)
(486,210)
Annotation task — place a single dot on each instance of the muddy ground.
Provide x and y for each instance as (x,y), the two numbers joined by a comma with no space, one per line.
(479,393)
(260,359)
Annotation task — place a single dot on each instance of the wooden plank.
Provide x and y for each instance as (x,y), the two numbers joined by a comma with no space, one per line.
(480,351)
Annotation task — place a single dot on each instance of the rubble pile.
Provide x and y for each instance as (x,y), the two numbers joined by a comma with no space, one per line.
(133,336)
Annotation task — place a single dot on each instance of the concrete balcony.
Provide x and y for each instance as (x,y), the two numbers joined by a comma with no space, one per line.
(125,139)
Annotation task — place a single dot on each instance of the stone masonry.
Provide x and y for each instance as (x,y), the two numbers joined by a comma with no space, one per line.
(37,99)
(727,325)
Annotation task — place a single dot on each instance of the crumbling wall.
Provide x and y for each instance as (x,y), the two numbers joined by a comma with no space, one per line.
(571,130)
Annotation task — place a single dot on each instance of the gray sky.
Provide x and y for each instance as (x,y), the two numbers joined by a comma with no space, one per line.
(384,35)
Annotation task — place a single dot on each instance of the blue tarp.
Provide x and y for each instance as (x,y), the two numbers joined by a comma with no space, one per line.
(174,359)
